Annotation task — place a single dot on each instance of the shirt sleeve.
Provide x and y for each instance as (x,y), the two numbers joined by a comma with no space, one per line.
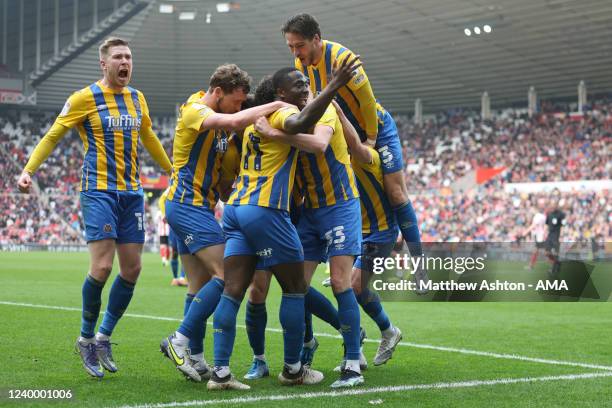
(329,117)
(362,89)
(360,78)
(74,110)
(146,118)
(277,120)
(154,147)
(46,145)
(194,115)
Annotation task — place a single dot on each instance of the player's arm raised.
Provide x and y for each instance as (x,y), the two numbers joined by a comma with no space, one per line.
(359,151)
(311,143)
(242,119)
(315,109)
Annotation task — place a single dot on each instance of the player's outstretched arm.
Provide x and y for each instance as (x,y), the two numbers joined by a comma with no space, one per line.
(42,150)
(155,149)
(311,143)
(360,152)
(310,115)
(242,119)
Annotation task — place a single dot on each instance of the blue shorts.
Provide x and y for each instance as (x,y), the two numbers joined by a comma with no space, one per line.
(110,214)
(331,231)
(388,145)
(195,226)
(263,232)
(173,240)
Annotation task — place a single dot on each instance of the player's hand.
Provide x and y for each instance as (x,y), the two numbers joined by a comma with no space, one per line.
(262,126)
(347,70)
(338,108)
(25,182)
(370,142)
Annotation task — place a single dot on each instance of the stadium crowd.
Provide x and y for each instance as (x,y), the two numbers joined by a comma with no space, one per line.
(551,146)
(546,147)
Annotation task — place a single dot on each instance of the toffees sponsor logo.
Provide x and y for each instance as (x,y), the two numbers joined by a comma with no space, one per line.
(122,122)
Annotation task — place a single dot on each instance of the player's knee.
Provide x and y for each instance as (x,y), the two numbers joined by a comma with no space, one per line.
(396,194)
(340,282)
(131,272)
(293,286)
(101,271)
(257,295)
(234,291)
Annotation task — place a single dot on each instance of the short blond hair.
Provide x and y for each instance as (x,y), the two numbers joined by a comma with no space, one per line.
(230,77)
(110,42)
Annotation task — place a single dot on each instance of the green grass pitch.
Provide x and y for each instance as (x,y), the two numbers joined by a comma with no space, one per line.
(435,366)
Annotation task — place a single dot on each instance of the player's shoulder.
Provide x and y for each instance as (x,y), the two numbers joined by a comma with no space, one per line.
(337,50)
(196,104)
(133,91)
(284,113)
(81,95)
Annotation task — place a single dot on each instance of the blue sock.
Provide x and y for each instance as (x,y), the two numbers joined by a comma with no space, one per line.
(118,300)
(348,312)
(202,306)
(370,303)
(407,220)
(92,300)
(291,307)
(182,271)
(256,319)
(174,267)
(308,332)
(188,300)
(320,306)
(224,329)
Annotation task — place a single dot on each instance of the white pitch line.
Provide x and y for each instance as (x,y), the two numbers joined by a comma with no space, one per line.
(376,390)
(336,336)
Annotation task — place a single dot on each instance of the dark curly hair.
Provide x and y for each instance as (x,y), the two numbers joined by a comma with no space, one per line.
(265,92)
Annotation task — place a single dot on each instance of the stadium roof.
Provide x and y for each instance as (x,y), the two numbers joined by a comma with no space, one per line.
(411,49)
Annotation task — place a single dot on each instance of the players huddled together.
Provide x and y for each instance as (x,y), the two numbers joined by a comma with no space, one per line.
(310,168)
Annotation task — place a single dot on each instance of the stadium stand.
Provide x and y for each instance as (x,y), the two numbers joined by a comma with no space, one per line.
(553,145)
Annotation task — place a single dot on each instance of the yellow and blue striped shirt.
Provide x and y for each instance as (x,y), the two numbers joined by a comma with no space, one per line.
(355,98)
(109,124)
(376,213)
(196,155)
(267,168)
(327,178)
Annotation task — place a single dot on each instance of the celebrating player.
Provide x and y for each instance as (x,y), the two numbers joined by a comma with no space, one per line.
(315,57)
(110,117)
(259,229)
(199,144)
(380,232)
